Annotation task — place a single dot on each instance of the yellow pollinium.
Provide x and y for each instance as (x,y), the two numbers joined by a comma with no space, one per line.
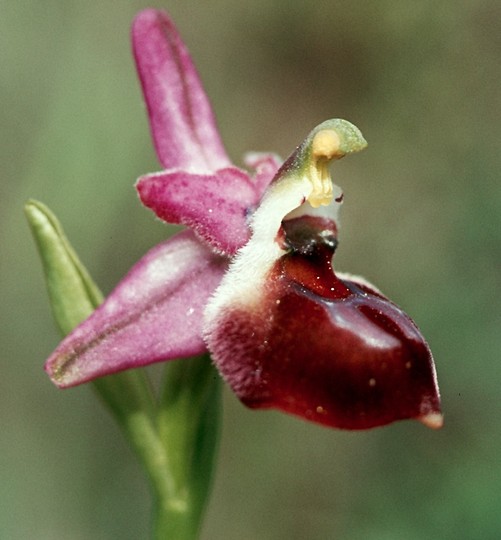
(325,146)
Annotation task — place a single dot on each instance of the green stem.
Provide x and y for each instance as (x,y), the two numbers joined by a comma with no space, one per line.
(175,443)
(188,424)
(129,399)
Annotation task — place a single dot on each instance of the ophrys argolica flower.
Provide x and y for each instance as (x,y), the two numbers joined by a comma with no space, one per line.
(252,279)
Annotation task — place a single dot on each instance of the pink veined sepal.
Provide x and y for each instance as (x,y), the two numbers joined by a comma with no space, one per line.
(154,314)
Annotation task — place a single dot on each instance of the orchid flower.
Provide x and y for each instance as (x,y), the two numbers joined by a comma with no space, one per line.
(251,280)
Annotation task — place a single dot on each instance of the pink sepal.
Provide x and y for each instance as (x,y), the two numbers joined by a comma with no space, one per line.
(154,314)
(181,119)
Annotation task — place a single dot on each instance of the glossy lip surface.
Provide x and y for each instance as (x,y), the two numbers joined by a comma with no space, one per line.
(332,351)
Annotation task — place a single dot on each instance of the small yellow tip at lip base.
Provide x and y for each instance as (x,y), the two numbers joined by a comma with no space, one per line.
(432,420)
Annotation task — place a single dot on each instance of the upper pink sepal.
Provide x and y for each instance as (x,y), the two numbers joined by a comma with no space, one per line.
(216,206)
(181,119)
(154,314)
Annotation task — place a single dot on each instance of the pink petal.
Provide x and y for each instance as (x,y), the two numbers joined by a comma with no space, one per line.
(154,314)
(181,119)
(215,206)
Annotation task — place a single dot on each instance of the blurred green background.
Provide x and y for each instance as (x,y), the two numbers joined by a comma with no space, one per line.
(421,219)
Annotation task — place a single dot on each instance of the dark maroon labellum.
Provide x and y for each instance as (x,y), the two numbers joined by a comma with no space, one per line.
(332,351)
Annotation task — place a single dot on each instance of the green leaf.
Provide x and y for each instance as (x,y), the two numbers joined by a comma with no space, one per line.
(73,295)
